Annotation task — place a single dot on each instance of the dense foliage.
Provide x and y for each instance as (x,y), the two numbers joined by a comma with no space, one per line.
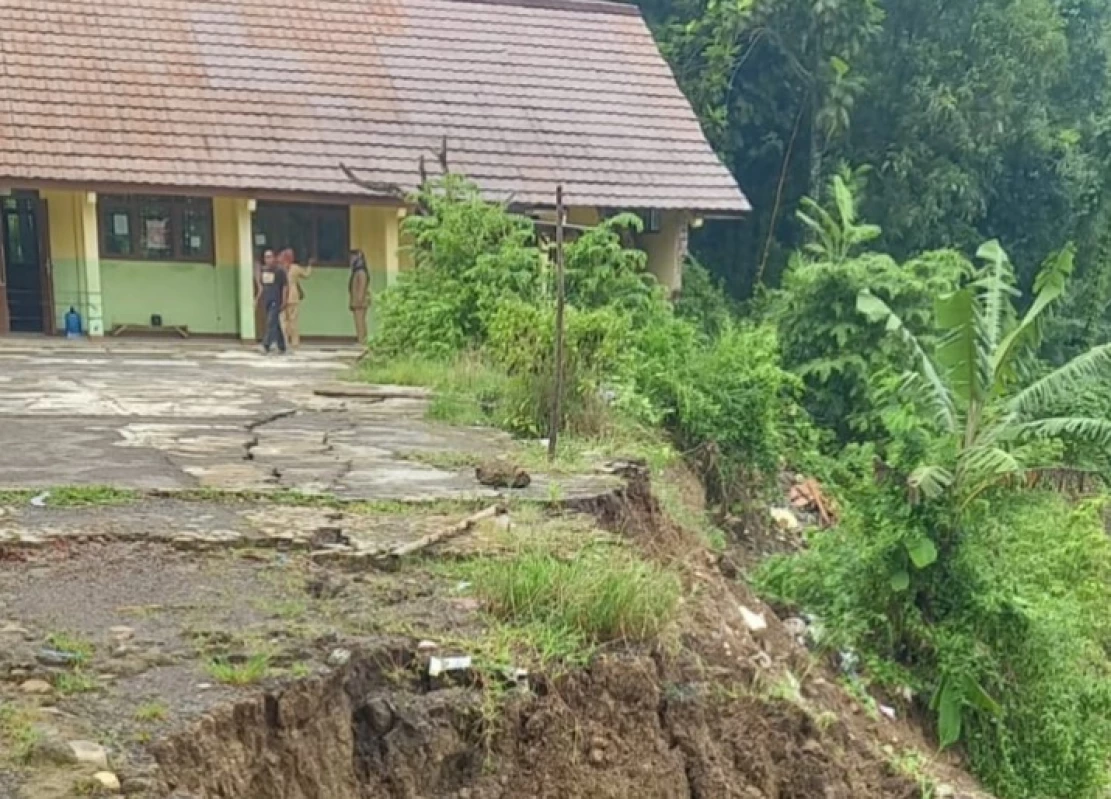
(487,298)
(970,566)
(980,120)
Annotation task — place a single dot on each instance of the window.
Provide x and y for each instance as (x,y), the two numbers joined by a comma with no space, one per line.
(319,233)
(149,228)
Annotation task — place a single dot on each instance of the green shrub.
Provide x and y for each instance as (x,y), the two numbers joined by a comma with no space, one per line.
(468,255)
(522,343)
(1017,620)
(834,348)
(703,300)
(727,397)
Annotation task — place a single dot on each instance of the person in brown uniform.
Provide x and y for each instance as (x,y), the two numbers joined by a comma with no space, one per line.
(291,314)
(358,290)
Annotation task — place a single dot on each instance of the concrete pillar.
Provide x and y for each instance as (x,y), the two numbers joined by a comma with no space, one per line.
(93,308)
(667,248)
(391,235)
(245,268)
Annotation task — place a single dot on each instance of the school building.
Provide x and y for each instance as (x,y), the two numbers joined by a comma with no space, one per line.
(149,151)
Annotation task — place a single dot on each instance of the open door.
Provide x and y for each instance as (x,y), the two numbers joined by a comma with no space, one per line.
(46,271)
(25,272)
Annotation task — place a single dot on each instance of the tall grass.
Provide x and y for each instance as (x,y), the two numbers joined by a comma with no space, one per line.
(597,597)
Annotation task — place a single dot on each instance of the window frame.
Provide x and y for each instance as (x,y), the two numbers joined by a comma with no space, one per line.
(315,212)
(109,204)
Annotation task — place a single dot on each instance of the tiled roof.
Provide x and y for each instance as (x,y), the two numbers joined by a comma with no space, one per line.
(269,96)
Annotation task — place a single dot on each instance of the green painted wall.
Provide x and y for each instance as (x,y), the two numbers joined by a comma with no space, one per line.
(324,310)
(201,297)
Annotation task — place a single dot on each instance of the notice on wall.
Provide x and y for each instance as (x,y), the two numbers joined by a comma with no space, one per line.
(195,242)
(156,234)
(260,239)
(121,224)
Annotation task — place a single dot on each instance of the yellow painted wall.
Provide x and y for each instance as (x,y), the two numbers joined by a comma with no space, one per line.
(66,250)
(665,249)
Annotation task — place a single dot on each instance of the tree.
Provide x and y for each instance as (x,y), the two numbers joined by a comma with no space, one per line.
(992,428)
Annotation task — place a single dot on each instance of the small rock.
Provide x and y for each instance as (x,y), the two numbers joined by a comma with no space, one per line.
(888,711)
(597,757)
(812,747)
(53,751)
(339,657)
(54,657)
(109,781)
(501,474)
(88,752)
(785,520)
(120,634)
(755,622)
(438,666)
(427,647)
(136,785)
(11,628)
(797,628)
(204,686)
(36,687)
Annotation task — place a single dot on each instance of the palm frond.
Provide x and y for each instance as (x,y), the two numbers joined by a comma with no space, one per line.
(937,396)
(1077,428)
(960,353)
(930,481)
(981,467)
(1062,382)
(1048,286)
(994,292)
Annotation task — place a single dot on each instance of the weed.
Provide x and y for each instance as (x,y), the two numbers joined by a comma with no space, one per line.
(786,688)
(300,671)
(912,765)
(70,683)
(152,711)
(448,460)
(255,669)
(79,649)
(88,786)
(72,496)
(288,609)
(18,732)
(859,691)
(825,720)
(555,493)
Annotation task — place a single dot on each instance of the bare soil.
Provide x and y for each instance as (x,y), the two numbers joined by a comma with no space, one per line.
(346,708)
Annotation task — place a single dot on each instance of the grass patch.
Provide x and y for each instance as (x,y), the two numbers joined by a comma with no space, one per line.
(18,733)
(150,712)
(563,607)
(77,682)
(72,496)
(79,649)
(255,669)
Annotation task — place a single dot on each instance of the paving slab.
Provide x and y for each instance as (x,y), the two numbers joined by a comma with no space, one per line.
(224,417)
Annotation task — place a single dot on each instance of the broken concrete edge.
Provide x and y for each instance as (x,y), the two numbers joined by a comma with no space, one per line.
(372,393)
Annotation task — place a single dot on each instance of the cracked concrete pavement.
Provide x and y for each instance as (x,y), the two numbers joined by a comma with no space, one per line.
(185,415)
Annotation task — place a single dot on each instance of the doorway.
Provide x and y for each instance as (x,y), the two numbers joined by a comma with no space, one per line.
(26,304)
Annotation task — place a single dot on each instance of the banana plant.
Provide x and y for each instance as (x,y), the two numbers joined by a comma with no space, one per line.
(971,383)
(835,233)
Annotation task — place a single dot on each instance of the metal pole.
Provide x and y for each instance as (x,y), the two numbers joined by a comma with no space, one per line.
(561,298)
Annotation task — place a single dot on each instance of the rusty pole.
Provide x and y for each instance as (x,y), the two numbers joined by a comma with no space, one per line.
(561,300)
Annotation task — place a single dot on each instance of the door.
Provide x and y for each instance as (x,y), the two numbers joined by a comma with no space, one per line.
(24,265)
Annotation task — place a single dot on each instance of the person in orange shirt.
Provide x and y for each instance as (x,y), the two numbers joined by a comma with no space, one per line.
(291,314)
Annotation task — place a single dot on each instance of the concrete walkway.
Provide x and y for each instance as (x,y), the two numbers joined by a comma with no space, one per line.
(181,415)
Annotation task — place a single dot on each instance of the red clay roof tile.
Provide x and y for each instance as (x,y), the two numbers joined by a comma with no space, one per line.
(271,96)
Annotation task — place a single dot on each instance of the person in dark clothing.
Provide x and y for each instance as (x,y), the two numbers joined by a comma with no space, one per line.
(275,293)
(358,290)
